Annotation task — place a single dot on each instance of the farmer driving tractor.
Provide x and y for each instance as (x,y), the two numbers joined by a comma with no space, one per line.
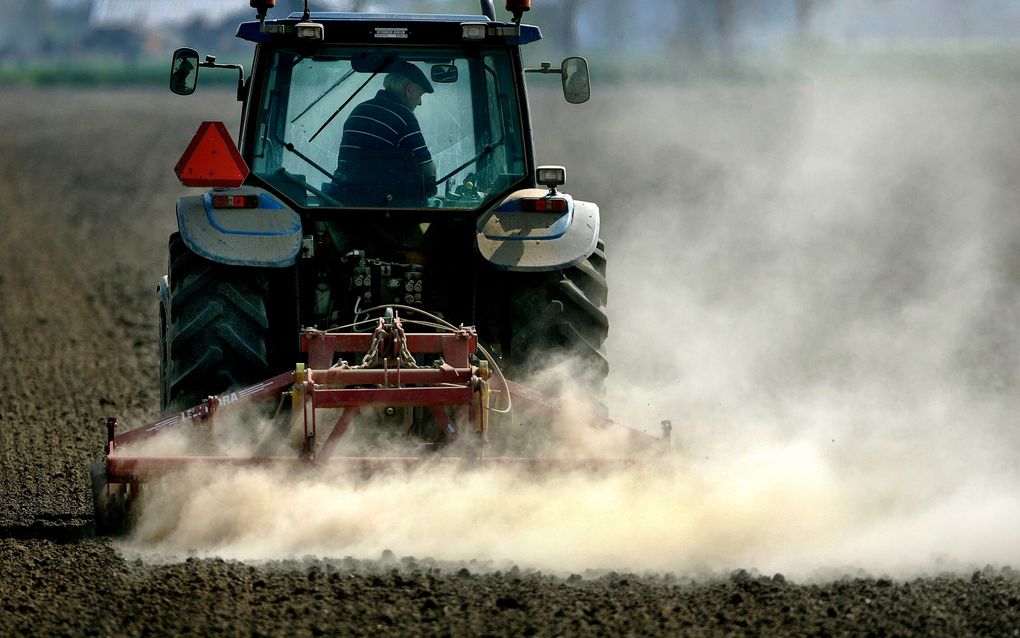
(383,158)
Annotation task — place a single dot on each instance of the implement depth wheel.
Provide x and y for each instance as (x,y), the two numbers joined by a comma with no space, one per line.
(111,502)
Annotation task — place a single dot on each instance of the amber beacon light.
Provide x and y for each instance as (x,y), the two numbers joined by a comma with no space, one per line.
(262,7)
(517,8)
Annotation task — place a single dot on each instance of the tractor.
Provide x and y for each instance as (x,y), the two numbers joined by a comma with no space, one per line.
(380,248)
(313,230)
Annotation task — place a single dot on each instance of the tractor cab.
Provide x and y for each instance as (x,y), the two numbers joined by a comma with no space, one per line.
(326,124)
(383,161)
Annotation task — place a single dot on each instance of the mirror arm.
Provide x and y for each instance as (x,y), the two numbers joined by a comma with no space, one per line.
(210,63)
(546,68)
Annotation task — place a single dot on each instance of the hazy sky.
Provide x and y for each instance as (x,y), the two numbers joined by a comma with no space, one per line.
(838,19)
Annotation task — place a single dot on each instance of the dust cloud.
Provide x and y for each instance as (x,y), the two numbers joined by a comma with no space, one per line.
(815,282)
(840,281)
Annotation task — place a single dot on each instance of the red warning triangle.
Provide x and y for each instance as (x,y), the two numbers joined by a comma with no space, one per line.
(212,159)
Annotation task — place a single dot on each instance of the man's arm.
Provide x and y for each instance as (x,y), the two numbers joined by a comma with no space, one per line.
(428,172)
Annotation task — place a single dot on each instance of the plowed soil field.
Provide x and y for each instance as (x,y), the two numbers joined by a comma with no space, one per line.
(779,252)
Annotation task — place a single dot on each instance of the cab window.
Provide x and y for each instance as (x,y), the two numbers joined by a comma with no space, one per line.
(334,130)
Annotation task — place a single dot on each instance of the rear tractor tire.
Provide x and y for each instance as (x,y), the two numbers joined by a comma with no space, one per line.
(561,315)
(216,331)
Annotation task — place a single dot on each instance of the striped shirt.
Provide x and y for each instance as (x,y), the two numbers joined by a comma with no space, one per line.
(381,123)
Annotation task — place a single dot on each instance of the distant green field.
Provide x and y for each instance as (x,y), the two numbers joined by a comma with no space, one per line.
(98,73)
(951,62)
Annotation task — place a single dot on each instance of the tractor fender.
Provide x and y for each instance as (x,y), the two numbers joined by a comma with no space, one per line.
(268,236)
(514,240)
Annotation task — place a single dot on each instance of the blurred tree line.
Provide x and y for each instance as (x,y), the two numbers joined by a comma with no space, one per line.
(133,29)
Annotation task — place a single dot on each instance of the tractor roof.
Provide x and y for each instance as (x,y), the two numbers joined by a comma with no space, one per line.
(390,28)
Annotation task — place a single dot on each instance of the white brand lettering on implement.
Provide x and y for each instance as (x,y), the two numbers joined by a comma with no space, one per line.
(227,399)
(391,32)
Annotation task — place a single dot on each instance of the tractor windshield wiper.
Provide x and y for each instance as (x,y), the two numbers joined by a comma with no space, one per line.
(324,94)
(346,102)
(293,149)
(488,148)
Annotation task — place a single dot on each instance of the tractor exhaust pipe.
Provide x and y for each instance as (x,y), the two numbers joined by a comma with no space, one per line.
(489,10)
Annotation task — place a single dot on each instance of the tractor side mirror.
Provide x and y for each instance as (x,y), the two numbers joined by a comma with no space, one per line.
(576,83)
(444,73)
(184,71)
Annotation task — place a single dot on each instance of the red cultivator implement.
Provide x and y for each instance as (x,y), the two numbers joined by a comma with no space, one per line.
(451,396)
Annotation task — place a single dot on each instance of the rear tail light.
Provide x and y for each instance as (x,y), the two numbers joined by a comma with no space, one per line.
(235,201)
(544,205)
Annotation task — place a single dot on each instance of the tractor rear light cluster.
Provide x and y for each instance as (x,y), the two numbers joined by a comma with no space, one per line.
(544,204)
(551,176)
(308,31)
(472,31)
(235,201)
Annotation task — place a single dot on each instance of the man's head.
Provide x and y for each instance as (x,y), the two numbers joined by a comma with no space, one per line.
(407,83)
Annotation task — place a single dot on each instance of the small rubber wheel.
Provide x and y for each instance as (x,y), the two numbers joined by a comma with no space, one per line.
(110,501)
